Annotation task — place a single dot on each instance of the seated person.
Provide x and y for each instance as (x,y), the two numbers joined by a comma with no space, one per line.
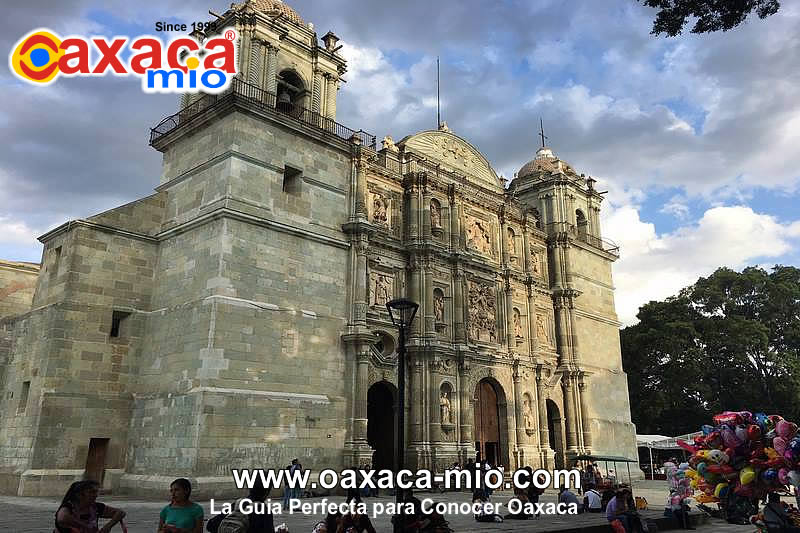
(480,496)
(568,497)
(775,517)
(679,510)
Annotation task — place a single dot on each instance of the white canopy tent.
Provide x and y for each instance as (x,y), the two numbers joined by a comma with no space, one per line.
(661,442)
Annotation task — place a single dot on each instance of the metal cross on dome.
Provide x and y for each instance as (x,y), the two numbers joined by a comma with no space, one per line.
(541,131)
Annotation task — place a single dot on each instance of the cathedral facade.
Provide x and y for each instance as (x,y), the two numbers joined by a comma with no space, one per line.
(237,318)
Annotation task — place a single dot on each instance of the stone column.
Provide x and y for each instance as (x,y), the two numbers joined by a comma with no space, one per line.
(510,335)
(330,104)
(455,221)
(415,398)
(271,83)
(467,409)
(535,413)
(541,401)
(569,414)
(426,214)
(434,412)
(533,336)
(316,95)
(360,297)
(413,210)
(361,181)
(360,398)
(521,434)
(415,294)
(459,331)
(586,422)
(254,64)
(430,329)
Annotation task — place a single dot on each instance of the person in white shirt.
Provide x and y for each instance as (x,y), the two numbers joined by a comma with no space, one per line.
(592,501)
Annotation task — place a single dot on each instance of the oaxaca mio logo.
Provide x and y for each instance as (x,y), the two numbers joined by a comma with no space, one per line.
(182,65)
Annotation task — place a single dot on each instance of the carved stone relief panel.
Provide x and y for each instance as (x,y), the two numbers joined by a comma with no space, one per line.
(544,327)
(479,235)
(381,289)
(482,324)
(380,209)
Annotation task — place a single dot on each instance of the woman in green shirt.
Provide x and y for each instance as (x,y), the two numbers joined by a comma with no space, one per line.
(182,515)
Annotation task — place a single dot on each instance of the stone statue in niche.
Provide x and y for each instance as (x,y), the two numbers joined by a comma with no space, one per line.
(382,292)
(438,307)
(541,331)
(527,414)
(512,248)
(535,262)
(517,324)
(444,407)
(478,236)
(436,216)
(380,209)
(482,324)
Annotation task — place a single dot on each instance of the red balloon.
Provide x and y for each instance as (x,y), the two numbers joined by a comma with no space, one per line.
(753,432)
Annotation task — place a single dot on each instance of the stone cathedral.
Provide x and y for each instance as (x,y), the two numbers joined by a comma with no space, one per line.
(236,317)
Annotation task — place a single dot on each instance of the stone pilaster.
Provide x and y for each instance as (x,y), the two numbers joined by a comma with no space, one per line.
(544,435)
(316,95)
(511,339)
(360,285)
(459,329)
(569,414)
(455,220)
(332,84)
(586,423)
(361,179)
(271,81)
(467,409)
(415,399)
(522,436)
(430,329)
(256,59)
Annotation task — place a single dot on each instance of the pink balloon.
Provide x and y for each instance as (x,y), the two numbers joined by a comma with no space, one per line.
(786,429)
(779,443)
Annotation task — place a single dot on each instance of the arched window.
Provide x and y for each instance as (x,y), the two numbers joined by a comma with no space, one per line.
(292,92)
(583,224)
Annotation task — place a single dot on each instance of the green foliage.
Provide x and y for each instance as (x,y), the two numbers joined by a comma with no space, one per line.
(710,15)
(729,342)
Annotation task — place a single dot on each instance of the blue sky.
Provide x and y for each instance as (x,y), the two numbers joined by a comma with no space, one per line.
(694,137)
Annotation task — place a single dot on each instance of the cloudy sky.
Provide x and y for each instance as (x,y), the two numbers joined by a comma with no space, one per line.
(696,138)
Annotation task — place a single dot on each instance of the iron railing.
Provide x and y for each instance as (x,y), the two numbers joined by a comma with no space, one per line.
(603,244)
(261,100)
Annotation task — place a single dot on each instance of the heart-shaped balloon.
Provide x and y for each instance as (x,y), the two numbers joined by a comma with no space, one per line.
(728,417)
(786,429)
(780,444)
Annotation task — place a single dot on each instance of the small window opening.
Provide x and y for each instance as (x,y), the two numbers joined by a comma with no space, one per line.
(118,320)
(23,399)
(292,180)
(56,262)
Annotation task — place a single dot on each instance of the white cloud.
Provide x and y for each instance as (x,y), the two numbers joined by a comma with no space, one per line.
(653,266)
(16,232)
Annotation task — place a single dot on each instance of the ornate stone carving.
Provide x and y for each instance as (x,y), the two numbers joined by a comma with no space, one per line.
(436,215)
(388,144)
(382,289)
(512,247)
(482,325)
(535,263)
(541,329)
(380,209)
(455,153)
(517,324)
(438,306)
(478,236)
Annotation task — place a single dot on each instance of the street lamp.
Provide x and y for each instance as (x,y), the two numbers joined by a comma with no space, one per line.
(402,312)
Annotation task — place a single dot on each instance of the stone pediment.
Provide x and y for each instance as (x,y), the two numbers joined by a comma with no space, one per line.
(455,154)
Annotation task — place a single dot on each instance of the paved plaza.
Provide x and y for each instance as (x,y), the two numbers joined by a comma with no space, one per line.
(29,515)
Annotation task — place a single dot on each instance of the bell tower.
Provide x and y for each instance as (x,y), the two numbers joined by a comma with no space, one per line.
(281,54)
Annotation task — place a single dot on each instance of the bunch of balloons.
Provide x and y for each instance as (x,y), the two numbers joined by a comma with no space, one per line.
(749,454)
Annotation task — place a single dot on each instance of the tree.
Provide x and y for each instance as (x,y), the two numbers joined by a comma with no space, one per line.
(729,342)
(711,15)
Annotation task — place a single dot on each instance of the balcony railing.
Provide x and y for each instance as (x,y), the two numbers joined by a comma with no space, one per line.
(259,99)
(603,244)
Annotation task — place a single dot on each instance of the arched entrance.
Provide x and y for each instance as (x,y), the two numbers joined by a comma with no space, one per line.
(555,432)
(381,398)
(490,426)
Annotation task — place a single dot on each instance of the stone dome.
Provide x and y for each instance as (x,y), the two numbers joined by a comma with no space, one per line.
(545,161)
(271,8)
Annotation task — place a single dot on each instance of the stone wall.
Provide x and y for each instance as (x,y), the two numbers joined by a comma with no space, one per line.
(17,284)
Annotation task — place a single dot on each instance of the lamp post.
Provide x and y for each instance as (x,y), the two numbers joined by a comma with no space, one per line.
(402,312)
